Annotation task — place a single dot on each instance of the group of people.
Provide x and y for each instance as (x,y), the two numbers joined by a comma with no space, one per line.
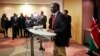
(59,23)
(19,24)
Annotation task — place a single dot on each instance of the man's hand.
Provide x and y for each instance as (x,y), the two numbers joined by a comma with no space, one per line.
(99,31)
(51,31)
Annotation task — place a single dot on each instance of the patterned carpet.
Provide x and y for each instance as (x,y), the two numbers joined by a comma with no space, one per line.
(73,50)
(9,43)
(21,47)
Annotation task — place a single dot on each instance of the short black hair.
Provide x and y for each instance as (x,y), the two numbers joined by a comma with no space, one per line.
(66,11)
(57,5)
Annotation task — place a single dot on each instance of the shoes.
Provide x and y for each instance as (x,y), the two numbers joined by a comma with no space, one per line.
(41,48)
(13,38)
(5,36)
(21,36)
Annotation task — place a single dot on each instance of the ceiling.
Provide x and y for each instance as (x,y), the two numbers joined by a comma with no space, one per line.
(28,1)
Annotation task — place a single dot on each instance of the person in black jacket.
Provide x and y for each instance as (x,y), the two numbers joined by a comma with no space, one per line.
(60,28)
(43,19)
(4,25)
(68,17)
(50,22)
(14,22)
(21,23)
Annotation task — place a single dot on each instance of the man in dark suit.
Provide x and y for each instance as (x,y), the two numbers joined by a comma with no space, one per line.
(68,17)
(60,28)
(14,21)
(50,22)
(43,19)
(21,23)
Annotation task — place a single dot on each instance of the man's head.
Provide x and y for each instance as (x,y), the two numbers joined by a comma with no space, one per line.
(21,14)
(4,15)
(32,15)
(55,7)
(65,12)
(15,14)
(42,13)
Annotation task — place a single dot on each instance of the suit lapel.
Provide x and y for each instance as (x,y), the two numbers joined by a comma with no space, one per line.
(56,18)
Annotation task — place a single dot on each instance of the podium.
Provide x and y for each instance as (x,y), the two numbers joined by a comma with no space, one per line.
(41,32)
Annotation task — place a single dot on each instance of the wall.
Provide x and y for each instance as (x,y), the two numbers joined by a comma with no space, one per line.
(75,10)
(9,9)
(32,2)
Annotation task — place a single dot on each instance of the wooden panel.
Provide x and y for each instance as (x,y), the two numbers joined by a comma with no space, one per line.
(75,10)
(87,13)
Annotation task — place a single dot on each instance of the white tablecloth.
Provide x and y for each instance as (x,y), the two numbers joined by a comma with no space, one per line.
(42,32)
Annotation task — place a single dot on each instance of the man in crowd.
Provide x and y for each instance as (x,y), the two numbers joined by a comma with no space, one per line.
(68,17)
(21,23)
(43,19)
(14,22)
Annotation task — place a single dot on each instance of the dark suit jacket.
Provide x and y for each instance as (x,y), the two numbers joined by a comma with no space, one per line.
(44,20)
(4,23)
(14,22)
(50,23)
(60,28)
(68,17)
(21,22)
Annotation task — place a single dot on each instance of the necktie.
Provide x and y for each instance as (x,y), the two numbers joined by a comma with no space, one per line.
(53,18)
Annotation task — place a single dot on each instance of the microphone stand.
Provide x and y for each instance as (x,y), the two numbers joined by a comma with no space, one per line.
(41,47)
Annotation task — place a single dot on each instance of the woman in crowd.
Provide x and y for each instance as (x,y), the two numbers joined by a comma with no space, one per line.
(4,25)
